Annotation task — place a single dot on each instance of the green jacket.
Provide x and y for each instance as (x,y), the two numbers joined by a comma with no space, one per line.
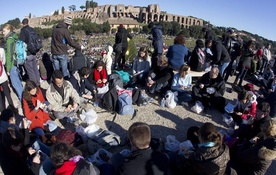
(9,49)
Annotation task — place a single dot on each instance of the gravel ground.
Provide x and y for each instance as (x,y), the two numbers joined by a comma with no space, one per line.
(162,121)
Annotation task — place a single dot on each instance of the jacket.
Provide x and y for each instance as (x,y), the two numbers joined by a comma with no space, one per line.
(58,104)
(163,75)
(140,65)
(220,54)
(176,54)
(121,37)
(256,159)
(77,62)
(177,81)
(100,76)
(81,84)
(246,58)
(144,162)
(25,36)
(9,50)
(198,60)
(60,39)
(3,76)
(107,59)
(157,39)
(37,117)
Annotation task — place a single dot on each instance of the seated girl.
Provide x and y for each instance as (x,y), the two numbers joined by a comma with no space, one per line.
(182,83)
(34,105)
(141,65)
(100,74)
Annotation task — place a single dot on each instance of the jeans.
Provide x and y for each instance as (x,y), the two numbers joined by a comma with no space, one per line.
(61,62)
(32,70)
(16,82)
(222,68)
(241,76)
(39,131)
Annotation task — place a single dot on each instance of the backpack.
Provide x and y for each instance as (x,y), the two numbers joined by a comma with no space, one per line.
(115,79)
(106,138)
(169,99)
(69,137)
(77,62)
(125,104)
(20,51)
(109,100)
(35,43)
(124,75)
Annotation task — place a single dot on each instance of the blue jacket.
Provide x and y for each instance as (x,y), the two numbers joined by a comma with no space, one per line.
(157,39)
(176,54)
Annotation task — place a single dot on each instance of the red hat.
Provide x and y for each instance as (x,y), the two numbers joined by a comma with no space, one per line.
(121,25)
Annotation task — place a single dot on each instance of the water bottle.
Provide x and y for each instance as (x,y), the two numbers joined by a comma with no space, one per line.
(162,103)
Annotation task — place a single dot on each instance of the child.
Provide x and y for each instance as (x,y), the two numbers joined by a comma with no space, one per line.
(107,59)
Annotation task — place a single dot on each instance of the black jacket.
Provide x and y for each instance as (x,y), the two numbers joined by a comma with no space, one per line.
(220,54)
(163,75)
(25,36)
(145,162)
(121,37)
(60,39)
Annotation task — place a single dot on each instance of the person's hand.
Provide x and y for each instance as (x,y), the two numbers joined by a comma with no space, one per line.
(87,96)
(38,103)
(238,113)
(36,158)
(269,90)
(181,87)
(75,106)
(151,82)
(201,86)
(8,73)
(99,81)
(254,140)
(31,150)
(68,109)
(250,121)
(24,123)
(104,80)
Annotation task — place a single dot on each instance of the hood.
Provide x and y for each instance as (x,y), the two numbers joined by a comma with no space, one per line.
(110,50)
(61,25)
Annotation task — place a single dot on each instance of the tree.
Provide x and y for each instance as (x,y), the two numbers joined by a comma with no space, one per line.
(55,13)
(14,22)
(129,30)
(175,28)
(145,29)
(62,9)
(105,27)
(135,29)
(30,15)
(82,7)
(87,4)
(113,30)
(72,7)
(186,32)
(93,4)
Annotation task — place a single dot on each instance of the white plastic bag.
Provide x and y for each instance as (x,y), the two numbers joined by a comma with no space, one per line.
(89,117)
(100,157)
(80,130)
(198,107)
(171,143)
(91,130)
(169,100)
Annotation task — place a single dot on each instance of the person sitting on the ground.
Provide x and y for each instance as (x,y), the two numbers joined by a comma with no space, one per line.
(177,53)
(246,108)
(82,85)
(209,90)
(69,160)
(141,66)
(210,156)
(100,74)
(266,79)
(198,60)
(63,98)
(34,106)
(107,59)
(142,159)
(257,154)
(182,82)
(160,78)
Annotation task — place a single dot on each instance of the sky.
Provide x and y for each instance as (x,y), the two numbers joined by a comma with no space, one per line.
(256,17)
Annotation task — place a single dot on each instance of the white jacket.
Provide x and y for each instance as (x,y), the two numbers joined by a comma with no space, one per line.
(4,76)
(107,59)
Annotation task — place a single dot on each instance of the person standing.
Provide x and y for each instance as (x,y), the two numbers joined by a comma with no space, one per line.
(30,63)
(11,64)
(121,37)
(157,42)
(60,39)
(266,56)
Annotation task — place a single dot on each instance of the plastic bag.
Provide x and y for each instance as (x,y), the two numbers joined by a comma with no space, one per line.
(171,143)
(228,120)
(169,100)
(198,107)
(89,117)
(80,130)
(91,130)
(100,157)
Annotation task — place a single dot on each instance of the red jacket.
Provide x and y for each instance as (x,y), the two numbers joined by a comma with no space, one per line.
(100,76)
(38,117)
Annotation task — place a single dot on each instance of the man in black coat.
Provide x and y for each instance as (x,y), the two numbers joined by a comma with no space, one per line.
(121,38)
(142,159)
(209,90)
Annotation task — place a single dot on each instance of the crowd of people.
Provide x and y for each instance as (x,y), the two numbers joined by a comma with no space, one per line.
(248,147)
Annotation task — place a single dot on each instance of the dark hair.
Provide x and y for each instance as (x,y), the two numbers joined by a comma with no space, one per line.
(143,49)
(62,152)
(12,137)
(30,85)
(84,71)
(99,63)
(6,115)
(207,133)
(265,107)
(139,134)
(25,21)
(242,95)
(57,74)
(179,39)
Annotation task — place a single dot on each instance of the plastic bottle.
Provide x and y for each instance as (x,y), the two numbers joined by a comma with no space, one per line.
(162,103)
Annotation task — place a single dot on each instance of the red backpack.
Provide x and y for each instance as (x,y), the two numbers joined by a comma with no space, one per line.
(69,137)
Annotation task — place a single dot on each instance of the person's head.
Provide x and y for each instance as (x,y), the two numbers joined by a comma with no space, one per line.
(208,133)
(208,43)
(268,46)
(269,128)
(8,116)
(162,61)
(29,90)
(179,39)
(230,31)
(25,21)
(214,72)
(121,26)
(243,97)
(62,152)
(250,44)
(264,112)
(143,53)
(99,65)
(68,21)
(58,78)
(139,135)
(184,70)
(7,29)
(84,72)
(204,30)
(12,138)
(200,43)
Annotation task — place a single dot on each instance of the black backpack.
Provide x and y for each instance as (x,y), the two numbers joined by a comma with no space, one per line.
(115,79)
(35,42)
(109,100)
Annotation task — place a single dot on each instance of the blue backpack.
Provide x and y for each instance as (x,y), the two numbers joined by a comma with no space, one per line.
(124,75)
(125,104)
(20,51)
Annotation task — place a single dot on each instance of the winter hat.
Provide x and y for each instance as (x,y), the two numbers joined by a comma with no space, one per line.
(68,20)
(121,26)
(200,43)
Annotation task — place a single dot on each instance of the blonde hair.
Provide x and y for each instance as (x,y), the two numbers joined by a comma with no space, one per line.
(269,128)
(183,71)
(9,27)
(163,60)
